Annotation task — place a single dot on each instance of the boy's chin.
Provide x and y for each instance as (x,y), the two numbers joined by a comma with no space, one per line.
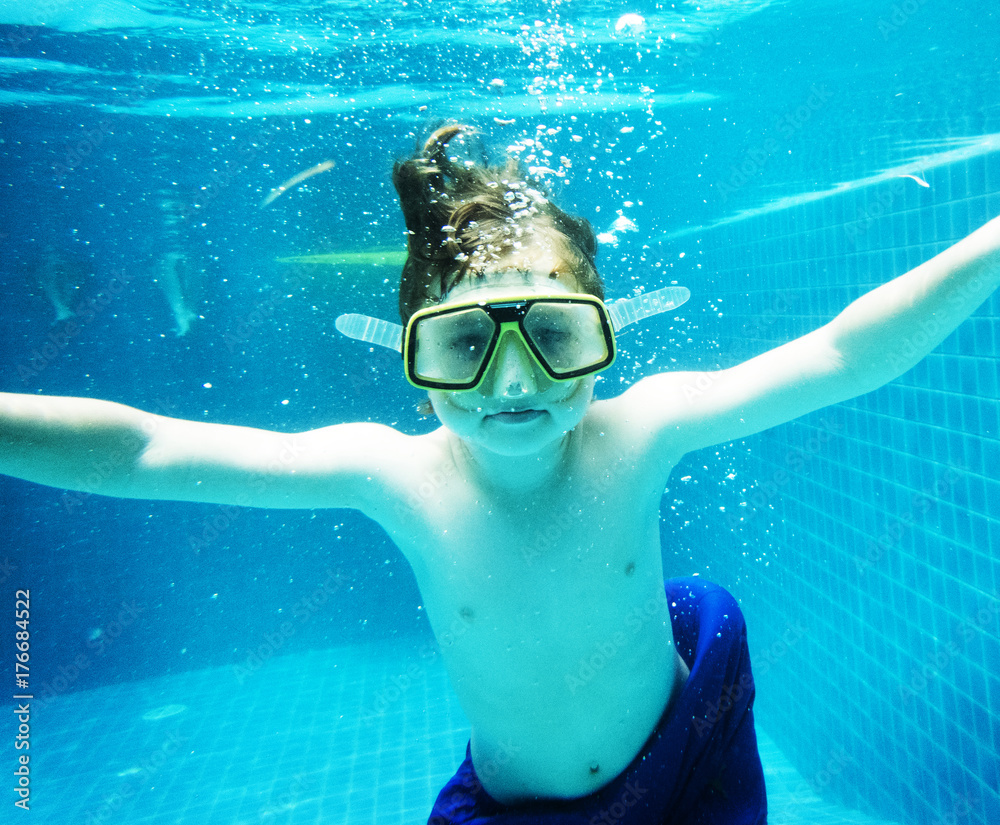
(518,444)
(511,438)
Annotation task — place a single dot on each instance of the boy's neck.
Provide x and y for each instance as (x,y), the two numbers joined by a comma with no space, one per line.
(519,473)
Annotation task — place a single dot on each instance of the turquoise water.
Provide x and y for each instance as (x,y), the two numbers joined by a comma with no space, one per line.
(776,158)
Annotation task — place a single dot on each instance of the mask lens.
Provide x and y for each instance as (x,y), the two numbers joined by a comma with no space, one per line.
(569,336)
(450,348)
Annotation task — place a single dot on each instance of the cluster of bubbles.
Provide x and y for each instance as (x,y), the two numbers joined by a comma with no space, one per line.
(533,150)
(543,44)
(565,62)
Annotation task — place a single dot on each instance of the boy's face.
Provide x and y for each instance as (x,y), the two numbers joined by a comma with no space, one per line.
(517,410)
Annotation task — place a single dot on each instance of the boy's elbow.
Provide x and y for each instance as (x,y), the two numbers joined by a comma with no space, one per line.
(856,363)
(865,369)
(111,465)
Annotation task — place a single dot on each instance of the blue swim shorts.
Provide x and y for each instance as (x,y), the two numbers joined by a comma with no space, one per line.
(699,767)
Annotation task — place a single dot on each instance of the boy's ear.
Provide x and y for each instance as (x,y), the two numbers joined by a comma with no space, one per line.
(424,407)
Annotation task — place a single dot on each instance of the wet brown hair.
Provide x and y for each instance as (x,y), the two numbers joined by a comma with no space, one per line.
(463,214)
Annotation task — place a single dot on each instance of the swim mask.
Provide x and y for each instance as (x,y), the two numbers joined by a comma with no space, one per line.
(568,335)
(451,347)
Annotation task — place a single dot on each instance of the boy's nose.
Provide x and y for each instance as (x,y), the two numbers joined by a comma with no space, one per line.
(514,372)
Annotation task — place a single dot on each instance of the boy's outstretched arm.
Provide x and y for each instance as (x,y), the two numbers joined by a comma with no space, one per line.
(102,447)
(874,340)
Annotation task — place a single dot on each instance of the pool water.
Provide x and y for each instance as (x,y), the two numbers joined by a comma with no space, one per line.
(776,158)
(356,734)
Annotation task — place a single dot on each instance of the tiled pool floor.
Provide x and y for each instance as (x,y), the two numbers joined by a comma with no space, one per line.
(348,735)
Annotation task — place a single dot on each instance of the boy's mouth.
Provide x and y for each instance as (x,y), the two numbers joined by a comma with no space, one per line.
(516,416)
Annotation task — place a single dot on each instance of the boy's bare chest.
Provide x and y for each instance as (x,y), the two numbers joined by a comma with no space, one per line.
(592,530)
(520,592)
(576,524)
(542,566)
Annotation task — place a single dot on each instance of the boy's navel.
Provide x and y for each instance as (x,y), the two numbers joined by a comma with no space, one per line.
(630,568)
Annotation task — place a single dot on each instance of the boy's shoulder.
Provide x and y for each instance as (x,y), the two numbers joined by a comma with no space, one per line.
(378,465)
(380,446)
(639,421)
(644,407)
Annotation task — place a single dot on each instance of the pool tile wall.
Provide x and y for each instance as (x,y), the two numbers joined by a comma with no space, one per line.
(863,540)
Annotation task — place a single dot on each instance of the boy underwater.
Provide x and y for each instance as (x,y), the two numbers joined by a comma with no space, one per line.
(537,544)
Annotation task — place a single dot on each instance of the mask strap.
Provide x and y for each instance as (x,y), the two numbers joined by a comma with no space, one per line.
(371,330)
(623,312)
(629,310)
